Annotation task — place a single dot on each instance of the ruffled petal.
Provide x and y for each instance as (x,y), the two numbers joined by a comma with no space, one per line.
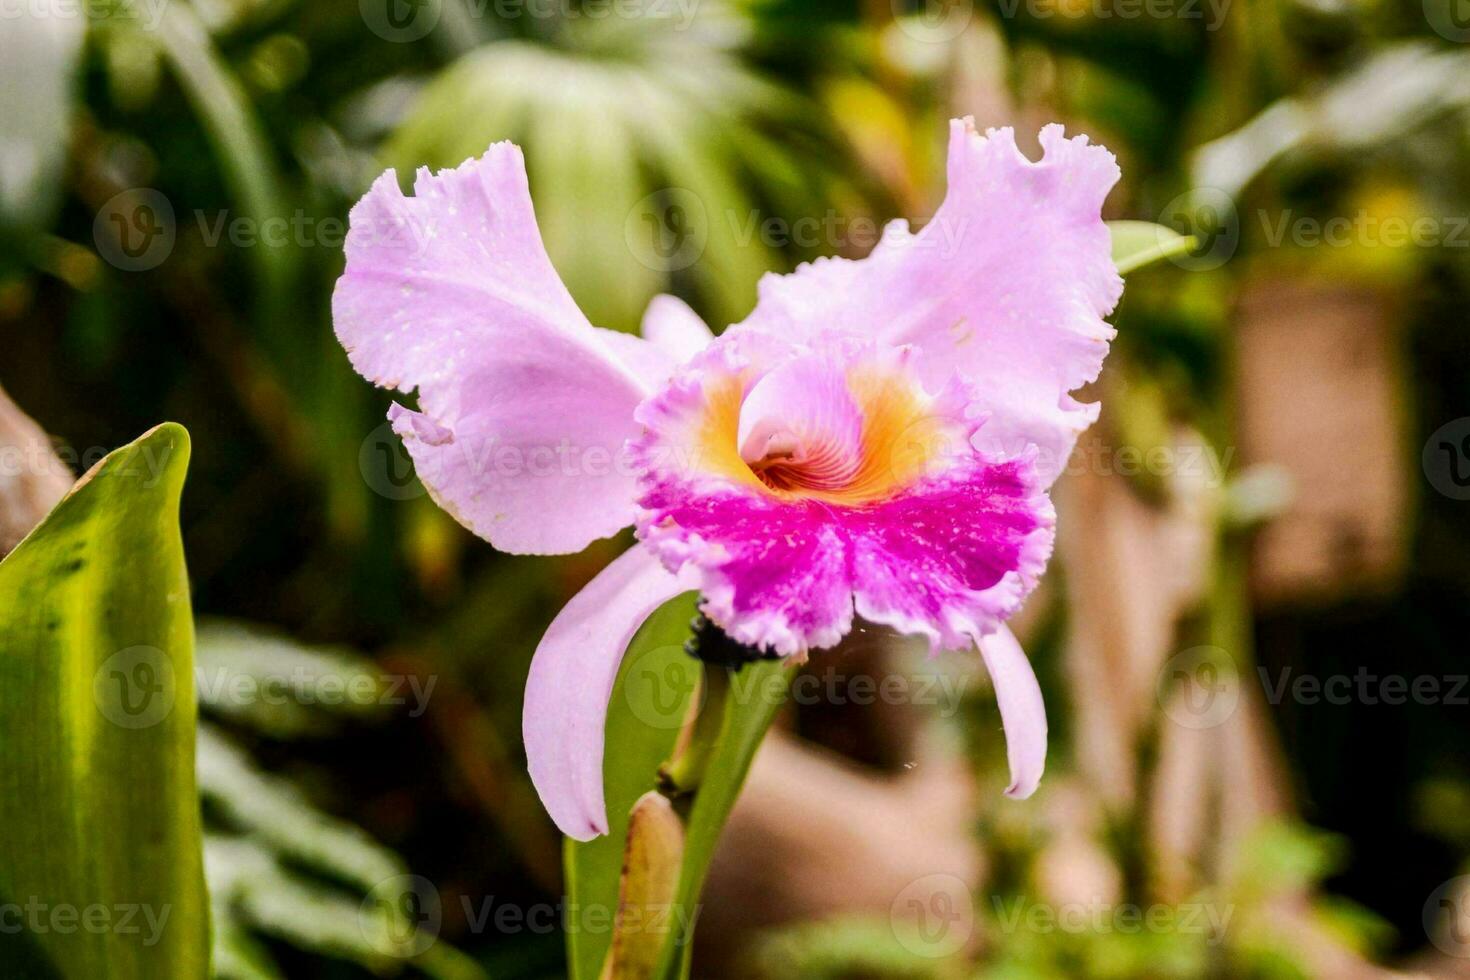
(921,531)
(955,555)
(774,574)
(1022,712)
(672,325)
(524,410)
(1008,284)
(571,680)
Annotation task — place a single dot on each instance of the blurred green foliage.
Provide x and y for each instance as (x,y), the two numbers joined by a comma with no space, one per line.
(248,115)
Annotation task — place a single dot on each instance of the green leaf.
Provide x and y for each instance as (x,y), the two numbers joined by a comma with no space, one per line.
(1140,243)
(650,700)
(101,844)
(276,815)
(757,691)
(245,159)
(266,680)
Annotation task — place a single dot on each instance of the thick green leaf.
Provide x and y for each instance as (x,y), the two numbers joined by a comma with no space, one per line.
(757,691)
(100,858)
(1140,243)
(650,700)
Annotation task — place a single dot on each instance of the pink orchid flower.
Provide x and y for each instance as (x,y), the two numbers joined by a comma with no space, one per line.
(877,439)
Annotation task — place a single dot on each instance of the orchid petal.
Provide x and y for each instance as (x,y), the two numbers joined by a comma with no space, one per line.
(1022,712)
(672,325)
(653,364)
(571,680)
(524,409)
(1007,285)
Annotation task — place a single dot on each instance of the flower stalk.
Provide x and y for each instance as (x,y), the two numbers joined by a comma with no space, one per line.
(740,693)
(681,775)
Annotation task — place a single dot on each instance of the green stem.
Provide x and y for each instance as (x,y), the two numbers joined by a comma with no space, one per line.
(683,773)
(738,711)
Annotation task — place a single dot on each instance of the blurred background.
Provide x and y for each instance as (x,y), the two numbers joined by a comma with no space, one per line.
(1252,641)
